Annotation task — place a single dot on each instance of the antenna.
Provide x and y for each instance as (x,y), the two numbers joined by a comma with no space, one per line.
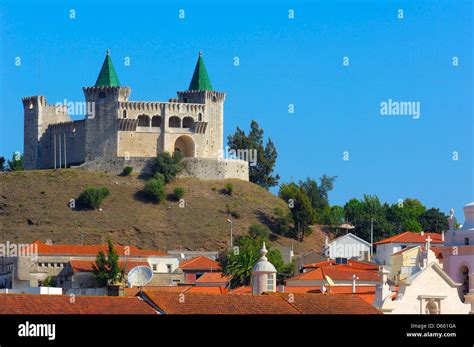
(139,276)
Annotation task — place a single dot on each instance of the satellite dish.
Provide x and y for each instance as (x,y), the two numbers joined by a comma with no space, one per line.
(140,276)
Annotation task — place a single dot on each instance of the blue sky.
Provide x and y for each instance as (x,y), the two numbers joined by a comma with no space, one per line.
(282,61)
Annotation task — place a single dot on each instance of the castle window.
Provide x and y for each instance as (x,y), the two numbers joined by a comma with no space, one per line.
(124,114)
(174,122)
(156,121)
(200,117)
(214,99)
(143,121)
(188,122)
(31,105)
(102,95)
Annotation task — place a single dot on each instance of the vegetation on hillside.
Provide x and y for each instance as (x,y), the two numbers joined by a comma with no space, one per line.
(262,164)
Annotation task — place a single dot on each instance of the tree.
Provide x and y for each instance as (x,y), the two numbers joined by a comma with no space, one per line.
(259,231)
(405,215)
(433,220)
(2,163)
(239,262)
(335,218)
(16,164)
(91,198)
(106,269)
(283,221)
(155,189)
(360,213)
(302,212)
(169,166)
(260,171)
(318,194)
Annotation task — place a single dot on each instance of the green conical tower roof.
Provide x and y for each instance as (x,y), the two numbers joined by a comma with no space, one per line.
(200,79)
(107,76)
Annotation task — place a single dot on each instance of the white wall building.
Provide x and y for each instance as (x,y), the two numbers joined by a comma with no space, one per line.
(348,246)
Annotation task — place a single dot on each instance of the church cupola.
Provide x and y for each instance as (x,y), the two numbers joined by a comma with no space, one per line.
(200,80)
(107,76)
(263,275)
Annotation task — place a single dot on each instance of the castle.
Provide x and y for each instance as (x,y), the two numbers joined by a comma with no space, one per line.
(117,132)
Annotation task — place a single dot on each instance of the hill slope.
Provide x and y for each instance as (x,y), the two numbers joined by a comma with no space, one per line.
(35,205)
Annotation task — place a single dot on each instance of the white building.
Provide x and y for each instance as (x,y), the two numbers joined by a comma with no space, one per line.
(387,247)
(348,246)
(429,290)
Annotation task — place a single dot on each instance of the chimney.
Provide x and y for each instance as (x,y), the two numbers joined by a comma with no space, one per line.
(354,279)
(48,242)
(442,236)
(422,233)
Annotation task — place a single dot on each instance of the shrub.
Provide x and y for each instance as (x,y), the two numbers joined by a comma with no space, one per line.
(127,170)
(259,231)
(230,211)
(178,193)
(155,189)
(91,197)
(229,189)
(169,166)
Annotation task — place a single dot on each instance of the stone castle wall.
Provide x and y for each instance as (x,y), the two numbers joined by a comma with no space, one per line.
(202,168)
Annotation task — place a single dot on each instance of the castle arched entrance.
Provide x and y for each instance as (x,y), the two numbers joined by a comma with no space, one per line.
(185,145)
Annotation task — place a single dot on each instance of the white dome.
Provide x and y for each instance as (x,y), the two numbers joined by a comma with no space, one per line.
(263,265)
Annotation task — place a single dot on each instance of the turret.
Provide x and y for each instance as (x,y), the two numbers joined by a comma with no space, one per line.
(263,275)
(38,116)
(200,91)
(101,125)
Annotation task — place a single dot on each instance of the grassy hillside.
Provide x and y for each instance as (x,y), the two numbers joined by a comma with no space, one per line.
(35,205)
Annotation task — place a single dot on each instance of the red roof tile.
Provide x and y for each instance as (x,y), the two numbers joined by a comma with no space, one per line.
(213,277)
(353,263)
(200,263)
(268,303)
(65,304)
(411,237)
(336,273)
(43,248)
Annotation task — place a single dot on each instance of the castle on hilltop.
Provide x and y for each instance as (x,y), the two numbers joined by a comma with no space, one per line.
(117,132)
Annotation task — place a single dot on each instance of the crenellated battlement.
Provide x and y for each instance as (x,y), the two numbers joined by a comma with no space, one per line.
(161,106)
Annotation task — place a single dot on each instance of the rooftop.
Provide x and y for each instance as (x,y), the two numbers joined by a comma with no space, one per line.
(62,304)
(92,250)
(336,273)
(411,237)
(271,303)
(200,263)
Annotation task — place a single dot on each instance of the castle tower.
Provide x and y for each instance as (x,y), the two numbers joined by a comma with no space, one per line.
(200,92)
(102,122)
(263,275)
(38,116)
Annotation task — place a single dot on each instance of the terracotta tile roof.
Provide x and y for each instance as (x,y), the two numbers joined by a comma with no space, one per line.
(367,293)
(92,250)
(213,277)
(86,265)
(200,263)
(411,237)
(242,290)
(197,303)
(208,289)
(173,289)
(269,303)
(61,304)
(353,263)
(331,304)
(336,273)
